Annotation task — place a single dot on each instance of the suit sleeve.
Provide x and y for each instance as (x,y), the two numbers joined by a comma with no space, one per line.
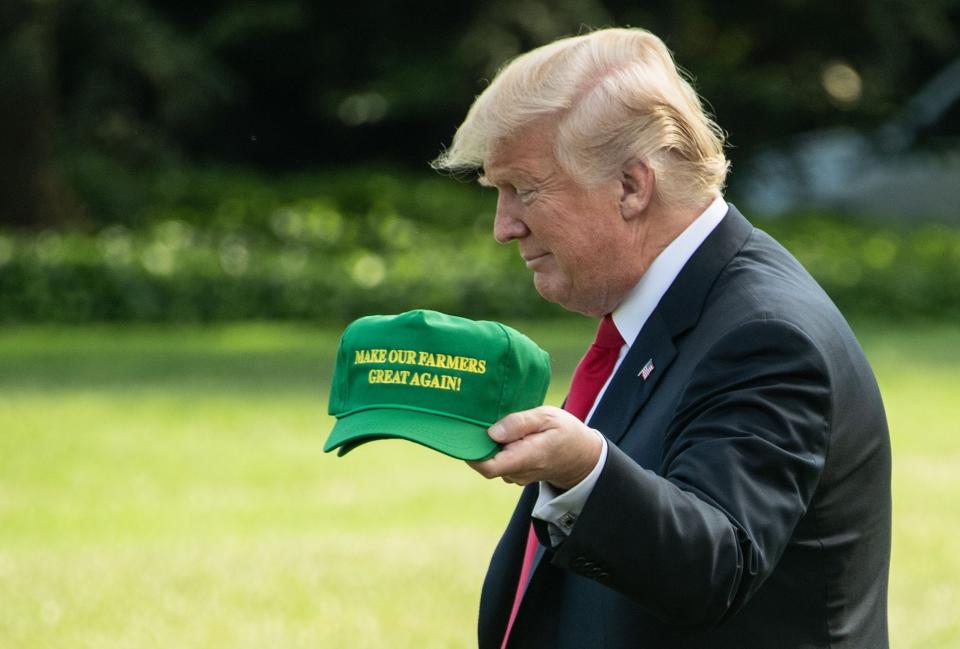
(693,539)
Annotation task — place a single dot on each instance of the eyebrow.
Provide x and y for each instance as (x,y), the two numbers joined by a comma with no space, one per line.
(508,173)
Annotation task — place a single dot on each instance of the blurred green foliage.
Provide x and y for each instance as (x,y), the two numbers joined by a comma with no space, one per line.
(223,244)
(153,154)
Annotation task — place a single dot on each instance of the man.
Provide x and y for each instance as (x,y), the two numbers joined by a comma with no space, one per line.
(731,485)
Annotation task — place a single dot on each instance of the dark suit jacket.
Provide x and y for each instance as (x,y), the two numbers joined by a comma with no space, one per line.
(745,501)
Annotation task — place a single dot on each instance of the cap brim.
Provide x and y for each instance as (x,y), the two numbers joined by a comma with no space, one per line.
(453,437)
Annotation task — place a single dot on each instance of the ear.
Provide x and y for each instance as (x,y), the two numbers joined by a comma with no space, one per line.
(636,188)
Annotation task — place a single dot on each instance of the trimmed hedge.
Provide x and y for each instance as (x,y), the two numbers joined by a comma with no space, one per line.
(119,275)
(225,246)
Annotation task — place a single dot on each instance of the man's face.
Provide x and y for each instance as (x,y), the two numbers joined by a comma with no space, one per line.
(574,240)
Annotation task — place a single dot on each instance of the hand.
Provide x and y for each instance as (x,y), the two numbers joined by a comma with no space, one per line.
(544,443)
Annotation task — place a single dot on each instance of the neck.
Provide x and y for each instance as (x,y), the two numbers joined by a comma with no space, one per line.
(652,233)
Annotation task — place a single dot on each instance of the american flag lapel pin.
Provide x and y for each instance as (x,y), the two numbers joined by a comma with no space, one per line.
(647,370)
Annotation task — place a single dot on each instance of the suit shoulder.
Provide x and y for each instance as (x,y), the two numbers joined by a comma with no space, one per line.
(763,281)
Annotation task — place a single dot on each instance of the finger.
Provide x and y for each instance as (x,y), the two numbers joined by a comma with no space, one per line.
(517,425)
(502,464)
(484,468)
(517,461)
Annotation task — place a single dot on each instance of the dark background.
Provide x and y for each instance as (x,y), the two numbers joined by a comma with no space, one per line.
(288,84)
(163,153)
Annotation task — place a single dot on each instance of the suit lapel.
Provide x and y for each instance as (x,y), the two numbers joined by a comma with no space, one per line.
(655,347)
(628,391)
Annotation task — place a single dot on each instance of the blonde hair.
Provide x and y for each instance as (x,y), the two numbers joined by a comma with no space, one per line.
(618,96)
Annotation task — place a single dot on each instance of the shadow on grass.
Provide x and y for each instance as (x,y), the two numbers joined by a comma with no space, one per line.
(267,358)
(236,358)
(277,358)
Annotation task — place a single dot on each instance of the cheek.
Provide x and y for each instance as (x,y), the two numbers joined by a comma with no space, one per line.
(582,234)
(592,252)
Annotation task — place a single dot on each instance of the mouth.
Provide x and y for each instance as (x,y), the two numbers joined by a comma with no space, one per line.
(533,260)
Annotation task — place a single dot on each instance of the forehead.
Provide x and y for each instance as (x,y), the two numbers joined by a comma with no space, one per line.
(526,154)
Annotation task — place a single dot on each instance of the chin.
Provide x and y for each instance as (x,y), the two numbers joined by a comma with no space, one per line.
(562,294)
(556,292)
(547,288)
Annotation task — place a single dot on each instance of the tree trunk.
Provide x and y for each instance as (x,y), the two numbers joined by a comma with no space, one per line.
(32,189)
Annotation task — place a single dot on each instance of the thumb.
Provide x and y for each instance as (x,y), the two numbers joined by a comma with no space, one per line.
(516,426)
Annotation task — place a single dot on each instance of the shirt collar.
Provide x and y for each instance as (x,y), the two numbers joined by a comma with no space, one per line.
(643,298)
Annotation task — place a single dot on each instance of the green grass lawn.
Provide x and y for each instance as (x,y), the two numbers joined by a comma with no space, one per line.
(166,488)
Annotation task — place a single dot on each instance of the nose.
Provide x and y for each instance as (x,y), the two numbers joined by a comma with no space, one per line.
(506,225)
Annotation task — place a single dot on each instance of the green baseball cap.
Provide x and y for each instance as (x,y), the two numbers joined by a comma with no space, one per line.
(431,378)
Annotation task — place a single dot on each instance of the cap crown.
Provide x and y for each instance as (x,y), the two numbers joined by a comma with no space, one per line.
(475,371)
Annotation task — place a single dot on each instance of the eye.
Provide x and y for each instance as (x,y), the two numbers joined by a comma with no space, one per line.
(525,195)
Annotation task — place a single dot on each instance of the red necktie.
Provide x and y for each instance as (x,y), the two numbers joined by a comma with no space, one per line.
(591,374)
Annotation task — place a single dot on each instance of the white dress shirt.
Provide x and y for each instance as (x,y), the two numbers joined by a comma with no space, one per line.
(561,509)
